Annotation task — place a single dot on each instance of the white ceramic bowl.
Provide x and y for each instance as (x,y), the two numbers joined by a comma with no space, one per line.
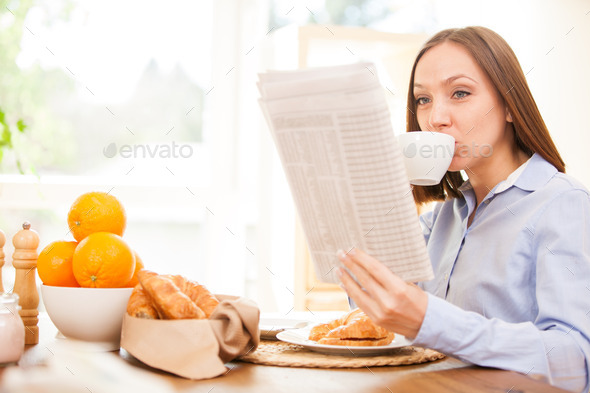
(88,314)
(427,156)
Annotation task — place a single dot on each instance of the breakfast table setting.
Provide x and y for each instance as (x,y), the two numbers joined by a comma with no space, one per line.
(57,364)
(235,349)
(133,329)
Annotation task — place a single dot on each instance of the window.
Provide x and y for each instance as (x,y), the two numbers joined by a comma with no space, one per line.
(141,100)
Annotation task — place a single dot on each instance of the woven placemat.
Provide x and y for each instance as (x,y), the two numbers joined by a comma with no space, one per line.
(279,353)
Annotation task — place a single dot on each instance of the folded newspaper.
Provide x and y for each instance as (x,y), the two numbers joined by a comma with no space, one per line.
(333,133)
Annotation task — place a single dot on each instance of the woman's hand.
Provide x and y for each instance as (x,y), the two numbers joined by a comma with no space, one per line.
(388,300)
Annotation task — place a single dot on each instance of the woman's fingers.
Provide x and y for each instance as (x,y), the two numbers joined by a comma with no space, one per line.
(368,293)
(386,298)
(362,299)
(370,305)
(358,261)
(363,276)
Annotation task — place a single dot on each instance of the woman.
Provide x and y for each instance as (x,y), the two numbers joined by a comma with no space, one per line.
(510,246)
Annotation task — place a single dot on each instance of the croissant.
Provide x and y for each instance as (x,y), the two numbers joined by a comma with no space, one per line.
(197,293)
(353,329)
(167,298)
(140,304)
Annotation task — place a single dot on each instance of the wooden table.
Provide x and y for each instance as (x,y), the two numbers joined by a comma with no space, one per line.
(446,375)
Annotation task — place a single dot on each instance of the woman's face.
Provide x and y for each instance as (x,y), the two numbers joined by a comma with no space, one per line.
(454,96)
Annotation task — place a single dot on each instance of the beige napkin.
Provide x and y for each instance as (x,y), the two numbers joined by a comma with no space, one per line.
(195,348)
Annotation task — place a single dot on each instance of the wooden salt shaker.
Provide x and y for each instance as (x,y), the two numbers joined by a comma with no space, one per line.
(2,243)
(24,261)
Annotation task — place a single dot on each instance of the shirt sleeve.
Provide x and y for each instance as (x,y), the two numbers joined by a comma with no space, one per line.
(556,345)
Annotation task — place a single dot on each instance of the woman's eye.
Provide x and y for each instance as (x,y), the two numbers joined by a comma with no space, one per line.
(461,94)
(422,101)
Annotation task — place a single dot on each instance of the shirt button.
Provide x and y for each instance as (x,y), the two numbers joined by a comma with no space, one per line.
(446,276)
(487,201)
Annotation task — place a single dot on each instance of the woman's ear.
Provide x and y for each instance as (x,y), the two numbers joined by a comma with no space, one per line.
(508,115)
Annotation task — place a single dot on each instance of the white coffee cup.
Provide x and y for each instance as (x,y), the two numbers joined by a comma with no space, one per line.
(427,155)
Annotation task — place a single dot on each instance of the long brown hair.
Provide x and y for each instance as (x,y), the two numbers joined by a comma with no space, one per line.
(498,61)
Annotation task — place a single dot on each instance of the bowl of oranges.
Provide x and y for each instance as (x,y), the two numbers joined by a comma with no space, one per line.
(87,282)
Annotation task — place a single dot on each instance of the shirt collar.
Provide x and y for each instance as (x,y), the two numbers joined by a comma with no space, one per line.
(537,173)
(530,176)
(512,178)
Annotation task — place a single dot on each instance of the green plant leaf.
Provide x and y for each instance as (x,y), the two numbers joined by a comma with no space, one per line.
(20,124)
(6,139)
(20,167)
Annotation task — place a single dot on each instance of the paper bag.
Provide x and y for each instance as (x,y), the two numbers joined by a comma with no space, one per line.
(195,348)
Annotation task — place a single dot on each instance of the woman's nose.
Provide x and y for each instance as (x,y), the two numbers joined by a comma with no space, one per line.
(439,116)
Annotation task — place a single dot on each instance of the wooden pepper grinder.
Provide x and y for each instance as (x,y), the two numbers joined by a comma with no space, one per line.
(24,261)
(2,243)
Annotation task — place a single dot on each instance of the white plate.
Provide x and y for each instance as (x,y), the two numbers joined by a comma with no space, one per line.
(270,327)
(300,337)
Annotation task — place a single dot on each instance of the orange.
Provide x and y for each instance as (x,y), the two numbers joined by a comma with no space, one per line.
(138,266)
(96,212)
(55,264)
(103,260)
